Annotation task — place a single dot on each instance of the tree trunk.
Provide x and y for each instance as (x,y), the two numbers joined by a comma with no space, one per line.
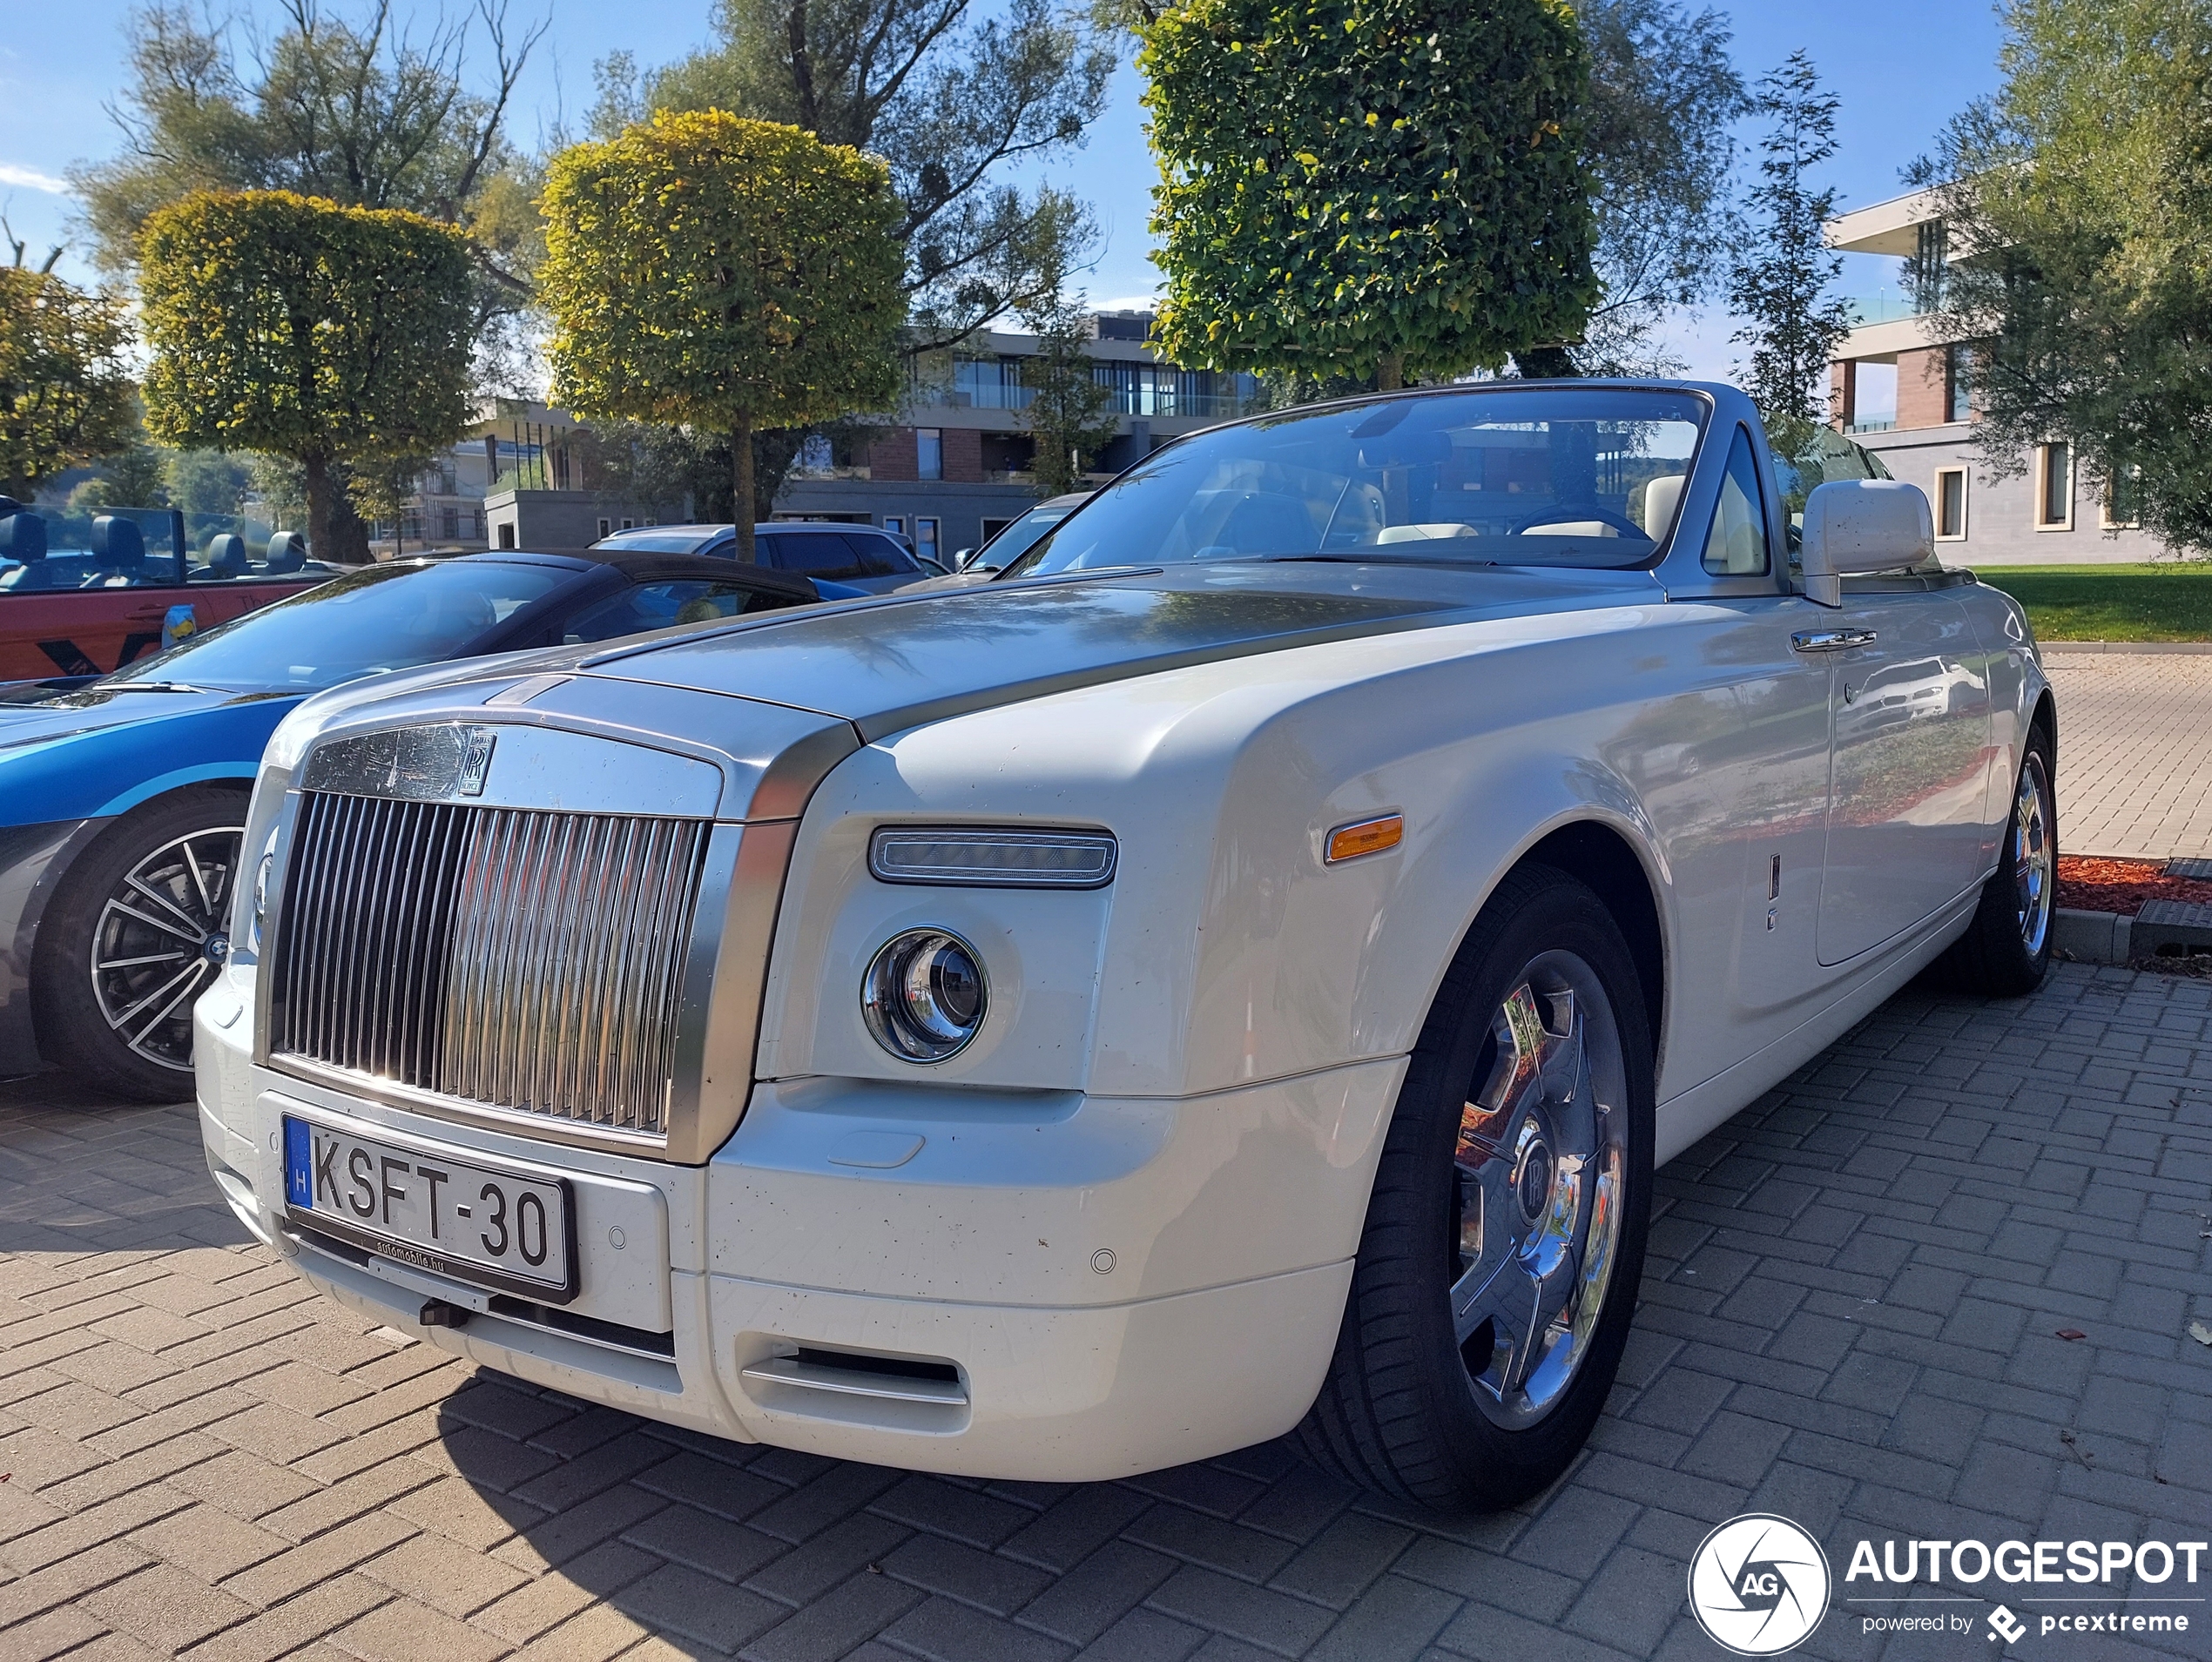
(318,471)
(741,508)
(1390,374)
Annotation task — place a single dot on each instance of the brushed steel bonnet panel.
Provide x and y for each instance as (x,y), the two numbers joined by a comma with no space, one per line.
(514,764)
(771,755)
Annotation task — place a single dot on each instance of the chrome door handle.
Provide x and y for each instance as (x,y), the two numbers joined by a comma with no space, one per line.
(1830,640)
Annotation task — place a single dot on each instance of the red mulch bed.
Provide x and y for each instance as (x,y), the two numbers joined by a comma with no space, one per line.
(2124,886)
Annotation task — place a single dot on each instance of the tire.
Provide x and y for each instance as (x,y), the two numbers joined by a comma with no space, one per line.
(2006,949)
(123,950)
(1418,1404)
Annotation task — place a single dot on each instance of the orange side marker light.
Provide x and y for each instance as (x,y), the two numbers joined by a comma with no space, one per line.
(1366,837)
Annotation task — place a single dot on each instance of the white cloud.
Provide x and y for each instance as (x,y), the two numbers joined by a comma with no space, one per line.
(32,179)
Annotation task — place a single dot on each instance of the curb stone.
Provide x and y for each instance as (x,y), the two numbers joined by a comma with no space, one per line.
(2091,937)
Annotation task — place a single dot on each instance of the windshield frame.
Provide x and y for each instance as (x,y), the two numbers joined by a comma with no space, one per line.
(1711,419)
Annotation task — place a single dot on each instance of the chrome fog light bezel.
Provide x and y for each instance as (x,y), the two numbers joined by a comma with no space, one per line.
(898,1011)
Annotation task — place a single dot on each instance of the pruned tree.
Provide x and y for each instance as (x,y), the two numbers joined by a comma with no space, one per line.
(2076,214)
(65,394)
(353,108)
(707,271)
(304,329)
(1782,266)
(1391,188)
(952,100)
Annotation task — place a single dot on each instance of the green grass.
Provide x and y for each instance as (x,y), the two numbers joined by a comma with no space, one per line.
(2170,602)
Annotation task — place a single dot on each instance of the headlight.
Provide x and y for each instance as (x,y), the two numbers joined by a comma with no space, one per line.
(261,873)
(925,995)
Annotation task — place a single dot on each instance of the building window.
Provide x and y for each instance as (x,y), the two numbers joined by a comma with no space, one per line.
(506,536)
(1951,504)
(2123,499)
(930,453)
(895,523)
(627,524)
(926,538)
(605,525)
(1958,383)
(2054,488)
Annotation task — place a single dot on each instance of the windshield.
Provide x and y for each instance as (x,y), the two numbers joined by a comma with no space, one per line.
(1499,475)
(661,542)
(384,618)
(1017,539)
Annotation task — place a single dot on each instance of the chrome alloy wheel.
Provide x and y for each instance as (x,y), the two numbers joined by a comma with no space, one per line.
(2034,854)
(1540,1170)
(160,941)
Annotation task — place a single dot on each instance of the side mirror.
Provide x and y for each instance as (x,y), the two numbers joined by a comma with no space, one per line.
(1860,525)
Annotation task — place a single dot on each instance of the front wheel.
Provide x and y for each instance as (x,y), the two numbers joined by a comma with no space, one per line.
(1497,1274)
(132,939)
(2006,949)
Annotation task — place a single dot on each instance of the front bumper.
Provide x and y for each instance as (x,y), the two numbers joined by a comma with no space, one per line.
(1017,1285)
(33,861)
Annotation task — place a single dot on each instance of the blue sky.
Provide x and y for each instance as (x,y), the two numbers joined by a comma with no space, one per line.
(1901,67)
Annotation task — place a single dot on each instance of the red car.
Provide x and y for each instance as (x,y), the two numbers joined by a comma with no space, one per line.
(80,599)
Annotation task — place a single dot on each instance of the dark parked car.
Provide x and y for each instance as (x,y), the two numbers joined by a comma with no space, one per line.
(122,798)
(859,555)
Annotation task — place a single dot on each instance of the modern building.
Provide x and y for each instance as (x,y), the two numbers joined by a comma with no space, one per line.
(518,479)
(1905,390)
(954,465)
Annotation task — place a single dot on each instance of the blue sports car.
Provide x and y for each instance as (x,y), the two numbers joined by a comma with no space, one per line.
(123,798)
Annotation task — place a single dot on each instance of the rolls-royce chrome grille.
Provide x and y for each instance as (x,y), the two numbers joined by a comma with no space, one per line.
(517,959)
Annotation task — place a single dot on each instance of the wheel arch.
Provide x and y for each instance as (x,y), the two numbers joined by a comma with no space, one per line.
(1597,855)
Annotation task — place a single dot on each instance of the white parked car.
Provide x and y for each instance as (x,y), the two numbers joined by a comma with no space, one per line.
(1236,972)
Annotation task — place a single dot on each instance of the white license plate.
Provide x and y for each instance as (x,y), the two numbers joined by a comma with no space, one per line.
(481,1224)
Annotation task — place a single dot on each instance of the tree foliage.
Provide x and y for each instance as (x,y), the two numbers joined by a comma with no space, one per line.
(1664,98)
(1069,411)
(2078,214)
(207,482)
(1783,265)
(1386,187)
(949,98)
(136,474)
(357,112)
(707,271)
(288,325)
(65,394)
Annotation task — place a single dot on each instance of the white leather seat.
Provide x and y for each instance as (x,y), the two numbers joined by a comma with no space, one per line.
(1433,532)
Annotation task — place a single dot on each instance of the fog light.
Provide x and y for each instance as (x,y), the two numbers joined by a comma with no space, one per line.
(925,995)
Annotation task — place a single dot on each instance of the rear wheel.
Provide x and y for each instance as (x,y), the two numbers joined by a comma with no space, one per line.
(2006,949)
(133,938)
(1497,1274)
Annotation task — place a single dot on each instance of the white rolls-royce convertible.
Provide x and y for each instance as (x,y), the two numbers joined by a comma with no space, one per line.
(1234,973)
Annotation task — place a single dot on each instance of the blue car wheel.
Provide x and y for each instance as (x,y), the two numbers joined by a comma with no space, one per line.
(133,938)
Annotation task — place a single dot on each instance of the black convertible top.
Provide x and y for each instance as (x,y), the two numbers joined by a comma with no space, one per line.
(642,566)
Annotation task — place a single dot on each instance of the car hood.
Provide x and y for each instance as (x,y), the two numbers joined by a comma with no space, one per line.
(927,655)
(823,678)
(34,712)
(89,752)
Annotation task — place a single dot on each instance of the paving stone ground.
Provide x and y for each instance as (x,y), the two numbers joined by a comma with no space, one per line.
(2134,753)
(1851,1319)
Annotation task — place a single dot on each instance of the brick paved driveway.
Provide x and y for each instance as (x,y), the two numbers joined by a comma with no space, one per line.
(1849,1320)
(2135,753)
